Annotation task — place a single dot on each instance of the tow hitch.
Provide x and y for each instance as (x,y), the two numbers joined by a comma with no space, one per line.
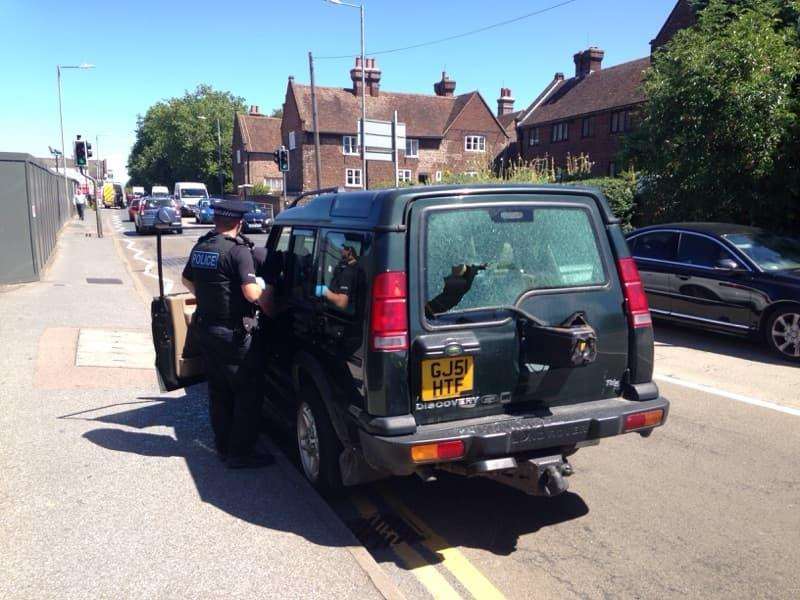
(538,476)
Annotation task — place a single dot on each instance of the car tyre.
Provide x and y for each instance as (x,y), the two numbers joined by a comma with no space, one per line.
(782,333)
(317,443)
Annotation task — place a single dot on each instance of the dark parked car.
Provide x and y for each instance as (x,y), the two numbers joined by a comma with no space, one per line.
(484,331)
(145,217)
(257,218)
(204,211)
(728,278)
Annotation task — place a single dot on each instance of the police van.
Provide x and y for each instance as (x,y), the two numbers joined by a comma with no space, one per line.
(487,331)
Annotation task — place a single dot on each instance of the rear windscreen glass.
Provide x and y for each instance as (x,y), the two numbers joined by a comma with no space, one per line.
(488,257)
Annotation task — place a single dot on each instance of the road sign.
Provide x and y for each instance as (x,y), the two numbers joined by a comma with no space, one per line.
(378,138)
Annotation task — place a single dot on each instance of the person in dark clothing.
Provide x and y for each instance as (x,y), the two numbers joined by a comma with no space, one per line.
(344,281)
(456,286)
(222,275)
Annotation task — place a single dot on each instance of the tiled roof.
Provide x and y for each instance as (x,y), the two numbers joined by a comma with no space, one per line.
(339,110)
(259,133)
(507,121)
(620,85)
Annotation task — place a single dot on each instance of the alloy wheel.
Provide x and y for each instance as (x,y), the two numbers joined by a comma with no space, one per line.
(308,441)
(786,334)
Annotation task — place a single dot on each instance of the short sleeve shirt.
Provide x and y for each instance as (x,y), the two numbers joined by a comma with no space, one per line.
(344,279)
(237,265)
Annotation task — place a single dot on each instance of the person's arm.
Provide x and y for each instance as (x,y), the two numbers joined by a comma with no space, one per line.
(339,300)
(246,270)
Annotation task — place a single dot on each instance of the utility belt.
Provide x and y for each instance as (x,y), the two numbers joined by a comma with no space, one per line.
(237,325)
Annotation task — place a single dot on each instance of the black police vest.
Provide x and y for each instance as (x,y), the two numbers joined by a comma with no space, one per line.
(219,299)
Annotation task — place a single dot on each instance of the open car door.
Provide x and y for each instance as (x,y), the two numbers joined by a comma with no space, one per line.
(178,360)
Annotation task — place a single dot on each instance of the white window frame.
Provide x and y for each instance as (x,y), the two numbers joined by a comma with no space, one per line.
(238,156)
(475,143)
(350,145)
(292,141)
(533,137)
(404,175)
(471,173)
(352,178)
(437,177)
(412,148)
(560,132)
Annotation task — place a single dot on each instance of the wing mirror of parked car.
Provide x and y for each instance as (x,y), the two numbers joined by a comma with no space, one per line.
(727,264)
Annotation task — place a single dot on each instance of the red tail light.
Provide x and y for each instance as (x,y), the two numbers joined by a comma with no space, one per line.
(389,321)
(633,290)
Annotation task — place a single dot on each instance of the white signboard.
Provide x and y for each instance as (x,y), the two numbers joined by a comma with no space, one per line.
(378,136)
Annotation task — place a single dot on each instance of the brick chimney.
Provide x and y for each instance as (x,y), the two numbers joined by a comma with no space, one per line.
(505,103)
(588,61)
(372,77)
(254,110)
(445,86)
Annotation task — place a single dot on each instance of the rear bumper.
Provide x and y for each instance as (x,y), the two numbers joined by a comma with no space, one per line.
(501,436)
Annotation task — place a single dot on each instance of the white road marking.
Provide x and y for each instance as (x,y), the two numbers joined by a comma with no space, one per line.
(730,395)
(149,265)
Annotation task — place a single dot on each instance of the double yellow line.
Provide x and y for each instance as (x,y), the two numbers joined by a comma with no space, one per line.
(428,575)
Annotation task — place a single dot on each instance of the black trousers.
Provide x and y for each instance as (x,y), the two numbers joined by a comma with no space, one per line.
(234,387)
(80,208)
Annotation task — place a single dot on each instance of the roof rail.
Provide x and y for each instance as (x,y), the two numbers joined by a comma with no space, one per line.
(326,190)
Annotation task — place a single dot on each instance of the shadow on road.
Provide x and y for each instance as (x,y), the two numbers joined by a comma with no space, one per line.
(672,334)
(263,497)
(479,513)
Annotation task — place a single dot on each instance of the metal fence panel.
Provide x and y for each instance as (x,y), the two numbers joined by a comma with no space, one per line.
(34,208)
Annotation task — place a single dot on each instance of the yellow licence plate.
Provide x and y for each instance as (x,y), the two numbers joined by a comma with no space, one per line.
(447,377)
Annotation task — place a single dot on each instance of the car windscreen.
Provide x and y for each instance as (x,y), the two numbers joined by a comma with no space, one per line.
(158,203)
(488,257)
(769,251)
(194,193)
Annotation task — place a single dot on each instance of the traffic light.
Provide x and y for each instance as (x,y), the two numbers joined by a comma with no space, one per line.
(282,158)
(88,150)
(80,153)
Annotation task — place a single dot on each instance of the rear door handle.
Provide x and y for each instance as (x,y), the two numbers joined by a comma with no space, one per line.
(684,277)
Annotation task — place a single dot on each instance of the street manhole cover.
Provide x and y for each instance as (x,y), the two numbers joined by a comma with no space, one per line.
(107,280)
(385,529)
(115,348)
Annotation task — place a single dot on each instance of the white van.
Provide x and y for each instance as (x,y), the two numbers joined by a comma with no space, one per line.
(159,191)
(189,193)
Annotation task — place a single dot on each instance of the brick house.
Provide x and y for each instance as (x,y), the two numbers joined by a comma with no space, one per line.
(591,111)
(255,138)
(445,132)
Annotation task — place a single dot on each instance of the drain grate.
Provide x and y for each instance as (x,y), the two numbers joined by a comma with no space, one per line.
(175,261)
(382,530)
(104,280)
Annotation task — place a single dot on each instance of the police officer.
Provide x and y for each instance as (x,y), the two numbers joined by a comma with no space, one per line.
(344,281)
(222,275)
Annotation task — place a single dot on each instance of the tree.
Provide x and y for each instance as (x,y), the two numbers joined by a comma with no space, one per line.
(718,138)
(174,144)
(277,113)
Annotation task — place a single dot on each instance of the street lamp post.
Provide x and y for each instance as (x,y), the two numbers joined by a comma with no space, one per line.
(84,67)
(360,8)
(219,157)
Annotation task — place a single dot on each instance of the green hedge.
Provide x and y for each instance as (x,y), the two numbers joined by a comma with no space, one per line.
(620,193)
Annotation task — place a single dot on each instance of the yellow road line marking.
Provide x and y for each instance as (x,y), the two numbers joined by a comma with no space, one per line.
(453,560)
(426,573)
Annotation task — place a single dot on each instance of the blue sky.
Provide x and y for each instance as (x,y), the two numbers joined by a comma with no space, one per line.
(148,50)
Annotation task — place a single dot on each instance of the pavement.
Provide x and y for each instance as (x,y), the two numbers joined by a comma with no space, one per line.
(706,507)
(109,488)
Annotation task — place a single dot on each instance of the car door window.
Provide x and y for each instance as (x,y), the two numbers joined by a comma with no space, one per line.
(343,272)
(301,264)
(700,251)
(659,245)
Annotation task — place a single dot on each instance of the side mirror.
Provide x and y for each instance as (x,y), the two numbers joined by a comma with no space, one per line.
(726,264)
(163,219)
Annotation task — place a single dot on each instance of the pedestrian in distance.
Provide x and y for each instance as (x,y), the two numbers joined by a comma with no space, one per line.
(222,275)
(79,200)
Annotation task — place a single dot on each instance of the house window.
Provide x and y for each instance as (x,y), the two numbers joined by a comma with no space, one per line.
(437,177)
(274,183)
(560,132)
(533,137)
(587,127)
(404,175)
(349,144)
(620,121)
(292,143)
(412,148)
(352,177)
(238,157)
(471,173)
(475,143)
